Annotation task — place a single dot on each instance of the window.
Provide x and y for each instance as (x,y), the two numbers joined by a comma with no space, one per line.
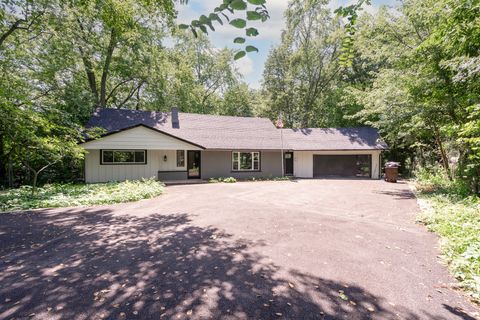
(181,158)
(124,157)
(363,165)
(246,161)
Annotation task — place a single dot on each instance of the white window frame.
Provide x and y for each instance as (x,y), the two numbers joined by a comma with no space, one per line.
(184,158)
(123,150)
(253,160)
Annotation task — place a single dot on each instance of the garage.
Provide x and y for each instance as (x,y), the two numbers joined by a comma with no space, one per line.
(342,165)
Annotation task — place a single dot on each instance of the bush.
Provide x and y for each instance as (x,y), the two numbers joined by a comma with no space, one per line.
(455,217)
(435,180)
(66,195)
(226,180)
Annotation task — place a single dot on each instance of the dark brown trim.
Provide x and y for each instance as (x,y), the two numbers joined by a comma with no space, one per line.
(199,166)
(124,163)
(246,151)
(285,164)
(145,126)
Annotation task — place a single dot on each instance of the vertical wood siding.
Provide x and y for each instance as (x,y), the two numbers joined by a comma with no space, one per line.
(95,172)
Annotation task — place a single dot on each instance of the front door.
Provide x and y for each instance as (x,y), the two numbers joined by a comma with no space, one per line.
(288,156)
(193,164)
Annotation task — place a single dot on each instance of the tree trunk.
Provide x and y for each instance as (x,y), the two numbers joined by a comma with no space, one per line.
(106,68)
(3,163)
(34,184)
(10,171)
(442,152)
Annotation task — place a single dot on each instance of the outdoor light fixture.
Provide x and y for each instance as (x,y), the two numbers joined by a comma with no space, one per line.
(165,158)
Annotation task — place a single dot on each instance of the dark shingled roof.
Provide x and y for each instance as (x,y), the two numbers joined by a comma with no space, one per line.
(208,131)
(248,133)
(363,138)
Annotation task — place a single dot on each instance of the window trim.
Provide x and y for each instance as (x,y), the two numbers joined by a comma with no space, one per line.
(246,170)
(123,163)
(176,159)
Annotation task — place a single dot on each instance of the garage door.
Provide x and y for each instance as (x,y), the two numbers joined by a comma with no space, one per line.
(342,165)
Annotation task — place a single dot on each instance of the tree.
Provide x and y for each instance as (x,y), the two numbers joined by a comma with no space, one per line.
(238,100)
(300,73)
(418,96)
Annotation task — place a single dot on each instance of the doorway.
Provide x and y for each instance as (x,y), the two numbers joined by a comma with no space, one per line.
(193,164)
(288,162)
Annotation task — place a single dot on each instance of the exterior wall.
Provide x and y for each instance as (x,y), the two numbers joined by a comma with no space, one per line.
(303,161)
(215,164)
(139,138)
(172,175)
(96,172)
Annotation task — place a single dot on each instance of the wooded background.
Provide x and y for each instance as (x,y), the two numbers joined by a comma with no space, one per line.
(412,72)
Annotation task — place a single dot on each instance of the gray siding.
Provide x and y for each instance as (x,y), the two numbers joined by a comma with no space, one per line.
(172,175)
(217,164)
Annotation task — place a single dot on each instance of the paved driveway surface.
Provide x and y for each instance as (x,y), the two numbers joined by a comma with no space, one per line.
(312,249)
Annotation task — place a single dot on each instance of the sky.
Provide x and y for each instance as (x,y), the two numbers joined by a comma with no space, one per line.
(251,66)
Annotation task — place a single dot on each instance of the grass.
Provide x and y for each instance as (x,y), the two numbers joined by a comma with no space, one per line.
(66,195)
(455,217)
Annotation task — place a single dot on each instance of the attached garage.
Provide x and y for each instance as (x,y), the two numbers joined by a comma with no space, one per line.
(335,152)
(342,166)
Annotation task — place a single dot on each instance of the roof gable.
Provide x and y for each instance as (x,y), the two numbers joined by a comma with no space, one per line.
(139,137)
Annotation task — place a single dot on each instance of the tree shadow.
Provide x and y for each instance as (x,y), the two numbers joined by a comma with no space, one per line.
(398,194)
(94,264)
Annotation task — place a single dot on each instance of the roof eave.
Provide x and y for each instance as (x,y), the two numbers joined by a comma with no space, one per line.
(148,127)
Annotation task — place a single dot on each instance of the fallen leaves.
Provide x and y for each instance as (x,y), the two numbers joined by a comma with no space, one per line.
(342,295)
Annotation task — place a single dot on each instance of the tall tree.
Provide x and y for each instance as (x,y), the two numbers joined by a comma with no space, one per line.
(302,70)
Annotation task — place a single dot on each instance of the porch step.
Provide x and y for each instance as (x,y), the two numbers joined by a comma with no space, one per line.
(190,181)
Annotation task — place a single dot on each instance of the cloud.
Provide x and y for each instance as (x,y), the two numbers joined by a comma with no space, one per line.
(244,66)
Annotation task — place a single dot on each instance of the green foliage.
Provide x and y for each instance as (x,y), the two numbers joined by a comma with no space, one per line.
(66,195)
(421,87)
(351,13)
(259,13)
(224,180)
(302,77)
(456,219)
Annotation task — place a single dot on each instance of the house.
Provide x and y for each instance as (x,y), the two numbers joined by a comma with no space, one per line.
(179,146)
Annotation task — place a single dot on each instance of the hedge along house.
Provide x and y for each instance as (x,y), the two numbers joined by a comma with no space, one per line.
(180,146)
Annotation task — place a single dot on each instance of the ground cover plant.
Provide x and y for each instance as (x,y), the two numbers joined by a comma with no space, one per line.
(71,194)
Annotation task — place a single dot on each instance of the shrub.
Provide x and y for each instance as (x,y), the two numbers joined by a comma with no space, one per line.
(455,216)
(66,195)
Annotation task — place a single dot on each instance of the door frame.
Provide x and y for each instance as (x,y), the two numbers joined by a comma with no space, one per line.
(199,164)
(285,164)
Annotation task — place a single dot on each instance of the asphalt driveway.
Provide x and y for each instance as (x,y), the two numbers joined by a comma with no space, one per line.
(311,249)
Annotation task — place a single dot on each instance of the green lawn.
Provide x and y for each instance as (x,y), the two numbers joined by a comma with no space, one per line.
(66,195)
(455,217)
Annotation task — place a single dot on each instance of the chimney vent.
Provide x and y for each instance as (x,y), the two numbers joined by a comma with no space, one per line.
(175,121)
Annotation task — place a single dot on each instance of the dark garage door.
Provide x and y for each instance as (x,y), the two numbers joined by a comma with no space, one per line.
(342,165)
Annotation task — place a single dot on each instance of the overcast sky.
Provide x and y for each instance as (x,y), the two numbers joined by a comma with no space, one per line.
(251,66)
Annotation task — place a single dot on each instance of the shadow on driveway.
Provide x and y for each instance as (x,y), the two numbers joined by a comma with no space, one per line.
(93,264)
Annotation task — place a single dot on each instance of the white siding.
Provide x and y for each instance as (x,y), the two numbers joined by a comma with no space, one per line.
(139,138)
(95,172)
(303,161)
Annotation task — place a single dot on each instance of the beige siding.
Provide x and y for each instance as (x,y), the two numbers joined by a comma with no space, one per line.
(139,138)
(303,161)
(95,172)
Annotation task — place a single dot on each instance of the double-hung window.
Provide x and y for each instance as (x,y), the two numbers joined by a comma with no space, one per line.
(180,158)
(245,161)
(124,157)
